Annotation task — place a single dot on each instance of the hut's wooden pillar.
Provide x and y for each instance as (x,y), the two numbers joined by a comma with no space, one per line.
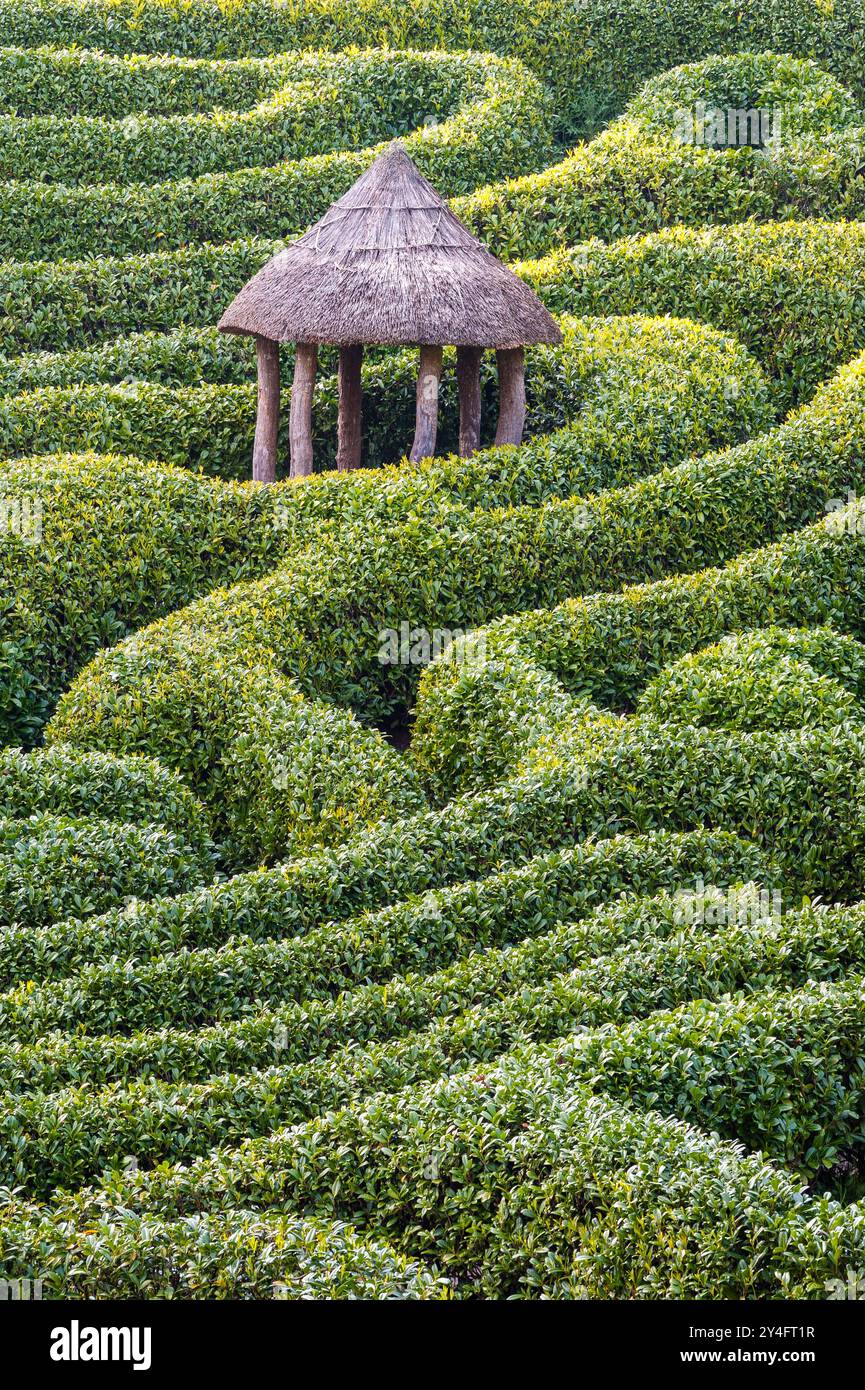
(427,409)
(349,428)
(469,383)
(264,450)
(512,396)
(300,421)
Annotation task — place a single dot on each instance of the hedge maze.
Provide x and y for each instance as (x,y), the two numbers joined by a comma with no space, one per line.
(445,880)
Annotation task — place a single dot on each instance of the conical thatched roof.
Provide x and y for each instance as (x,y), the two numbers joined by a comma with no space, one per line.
(390,263)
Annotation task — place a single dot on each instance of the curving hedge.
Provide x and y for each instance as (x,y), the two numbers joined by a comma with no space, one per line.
(83,117)
(783,479)
(608,647)
(295,1032)
(797,1049)
(790,291)
(237,1255)
(710,720)
(423,933)
(775,678)
(66,782)
(501,127)
(644,172)
(54,305)
(636,176)
(593,59)
(53,867)
(211,427)
(520,1127)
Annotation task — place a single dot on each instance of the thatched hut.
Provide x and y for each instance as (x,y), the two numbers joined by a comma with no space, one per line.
(389,264)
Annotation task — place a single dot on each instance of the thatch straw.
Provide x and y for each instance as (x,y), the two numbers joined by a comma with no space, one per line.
(390,264)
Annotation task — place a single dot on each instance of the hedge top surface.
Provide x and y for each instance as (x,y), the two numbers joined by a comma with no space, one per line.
(695,103)
(390,263)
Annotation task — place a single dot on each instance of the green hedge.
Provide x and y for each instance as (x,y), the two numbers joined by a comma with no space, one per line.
(210,428)
(800,98)
(92,119)
(665,1061)
(436,1169)
(236,1255)
(791,1084)
(67,783)
(255,716)
(53,867)
(298,1031)
(780,1072)
(632,178)
(774,678)
(55,80)
(691,515)
(647,395)
(106,543)
(789,291)
(608,647)
(72,304)
(503,130)
(182,357)
(423,934)
(593,59)
(640,175)
(598,1190)
(372,869)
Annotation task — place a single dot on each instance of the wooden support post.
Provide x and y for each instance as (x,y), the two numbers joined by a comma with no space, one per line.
(300,420)
(512,396)
(264,450)
(469,383)
(427,410)
(349,427)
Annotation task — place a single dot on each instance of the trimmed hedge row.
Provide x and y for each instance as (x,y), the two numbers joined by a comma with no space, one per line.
(647,395)
(233,1255)
(623,183)
(244,531)
(273,904)
(778,287)
(58,305)
(608,647)
(796,98)
(101,544)
(790,291)
(632,178)
(104,120)
(58,80)
(774,678)
(435,1168)
(781,1072)
(492,562)
(774,1036)
(640,174)
(254,713)
(593,59)
(210,427)
(503,129)
(798,793)
(298,1031)
(181,357)
(423,933)
(475,726)
(66,783)
(373,869)
(600,1188)
(52,867)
